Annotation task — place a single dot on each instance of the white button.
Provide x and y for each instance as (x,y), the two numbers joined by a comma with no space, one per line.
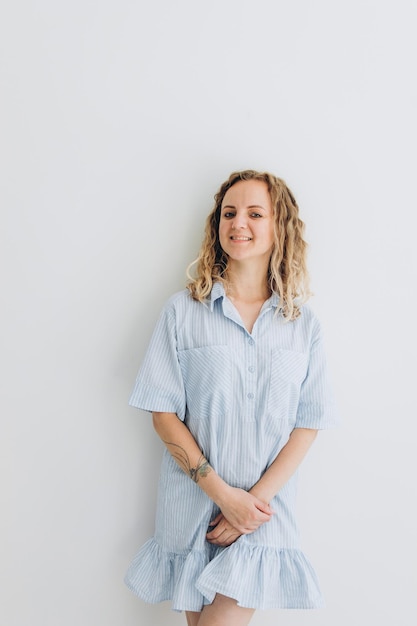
(250,396)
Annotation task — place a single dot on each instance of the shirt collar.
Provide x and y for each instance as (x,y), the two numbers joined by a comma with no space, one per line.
(218,291)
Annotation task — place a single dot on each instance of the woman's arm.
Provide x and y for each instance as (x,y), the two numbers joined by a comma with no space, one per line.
(245,511)
(275,477)
(285,464)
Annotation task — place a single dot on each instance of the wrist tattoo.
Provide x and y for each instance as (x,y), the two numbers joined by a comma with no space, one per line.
(201,471)
(180,455)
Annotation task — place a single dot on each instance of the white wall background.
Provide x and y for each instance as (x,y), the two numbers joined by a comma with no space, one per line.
(119,121)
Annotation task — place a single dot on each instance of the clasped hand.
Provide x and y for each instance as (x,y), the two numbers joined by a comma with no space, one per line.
(241,514)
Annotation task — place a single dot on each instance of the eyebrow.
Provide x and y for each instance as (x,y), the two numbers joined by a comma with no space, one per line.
(251,206)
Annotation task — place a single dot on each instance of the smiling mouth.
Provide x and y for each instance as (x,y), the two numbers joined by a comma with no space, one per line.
(236,238)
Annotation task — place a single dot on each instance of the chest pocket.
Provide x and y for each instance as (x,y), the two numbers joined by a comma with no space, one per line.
(288,370)
(207,379)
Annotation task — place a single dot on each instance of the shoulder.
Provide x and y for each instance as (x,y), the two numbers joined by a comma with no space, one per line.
(308,314)
(308,322)
(179,299)
(181,303)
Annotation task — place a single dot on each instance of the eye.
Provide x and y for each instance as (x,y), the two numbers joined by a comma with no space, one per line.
(228,214)
(254,214)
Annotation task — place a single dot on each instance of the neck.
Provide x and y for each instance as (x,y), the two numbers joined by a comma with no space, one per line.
(247,283)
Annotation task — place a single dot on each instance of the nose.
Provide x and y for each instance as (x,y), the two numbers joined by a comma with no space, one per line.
(239,221)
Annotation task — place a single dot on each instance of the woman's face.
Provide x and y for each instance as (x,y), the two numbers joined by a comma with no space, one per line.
(246,228)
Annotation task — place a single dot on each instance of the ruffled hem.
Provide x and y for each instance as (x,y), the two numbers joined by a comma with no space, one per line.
(155,575)
(258,577)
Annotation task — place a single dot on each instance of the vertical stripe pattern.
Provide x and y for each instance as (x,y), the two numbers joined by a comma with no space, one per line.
(241,395)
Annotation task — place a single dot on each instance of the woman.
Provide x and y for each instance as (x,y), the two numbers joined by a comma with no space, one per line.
(235,377)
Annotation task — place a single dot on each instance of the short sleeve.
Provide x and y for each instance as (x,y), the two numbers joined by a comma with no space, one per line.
(317,408)
(159,385)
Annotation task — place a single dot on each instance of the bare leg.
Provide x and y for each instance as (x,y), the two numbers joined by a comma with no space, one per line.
(223,611)
(192,618)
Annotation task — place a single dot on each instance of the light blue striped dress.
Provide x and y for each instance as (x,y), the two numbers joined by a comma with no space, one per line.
(240,394)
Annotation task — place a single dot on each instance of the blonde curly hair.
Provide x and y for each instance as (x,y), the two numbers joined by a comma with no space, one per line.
(287,274)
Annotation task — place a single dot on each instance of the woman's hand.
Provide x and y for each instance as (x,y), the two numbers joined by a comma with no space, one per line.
(244,511)
(223,534)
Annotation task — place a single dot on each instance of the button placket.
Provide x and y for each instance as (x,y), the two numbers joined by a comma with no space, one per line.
(250,379)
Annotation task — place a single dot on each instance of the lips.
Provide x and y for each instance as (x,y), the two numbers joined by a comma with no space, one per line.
(237,238)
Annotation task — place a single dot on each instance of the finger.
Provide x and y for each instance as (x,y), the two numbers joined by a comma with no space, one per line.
(216,532)
(226,538)
(263,517)
(216,520)
(254,523)
(265,508)
(221,530)
(225,543)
